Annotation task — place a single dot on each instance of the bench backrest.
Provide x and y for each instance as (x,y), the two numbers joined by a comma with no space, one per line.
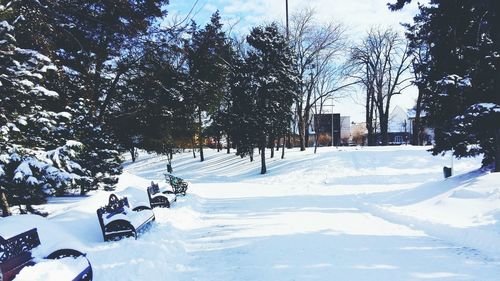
(175,182)
(153,189)
(115,206)
(15,252)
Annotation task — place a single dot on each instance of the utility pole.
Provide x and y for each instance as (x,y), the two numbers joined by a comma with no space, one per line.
(287,31)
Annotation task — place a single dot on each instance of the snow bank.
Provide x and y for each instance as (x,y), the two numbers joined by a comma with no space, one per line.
(52,235)
(64,269)
(466,213)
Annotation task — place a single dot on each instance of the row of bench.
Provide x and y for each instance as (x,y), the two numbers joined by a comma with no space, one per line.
(116,219)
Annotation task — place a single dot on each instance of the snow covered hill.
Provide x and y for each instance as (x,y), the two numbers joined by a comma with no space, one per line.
(382,213)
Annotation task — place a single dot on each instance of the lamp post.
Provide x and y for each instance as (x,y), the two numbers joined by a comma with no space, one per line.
(332,121)
(311,86)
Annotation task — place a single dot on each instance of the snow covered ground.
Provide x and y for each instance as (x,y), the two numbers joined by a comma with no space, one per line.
(382,213)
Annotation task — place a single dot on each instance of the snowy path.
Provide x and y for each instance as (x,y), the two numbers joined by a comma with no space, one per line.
(286,239)
(306,223)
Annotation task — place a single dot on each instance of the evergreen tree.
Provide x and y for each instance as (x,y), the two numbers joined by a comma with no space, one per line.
(461,74)
(274,82)
(208,60)
(152,113)
(99,154)
(35,155)
(242,124)
(93,42)
(94,45)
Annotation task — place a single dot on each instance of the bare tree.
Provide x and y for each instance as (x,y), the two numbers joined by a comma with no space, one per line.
(382,62)
(420,56)
(314,44)
(327,88)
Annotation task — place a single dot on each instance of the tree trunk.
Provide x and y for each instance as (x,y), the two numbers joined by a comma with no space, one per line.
(251,156)
(271,142)
(415,139)
(194,147)
(132,153)
(263,169)
(202,158)
(228,145)
(315,143)
(384,124)
(306,135)
(283,148)
(302,131)
(370,108)
(82,190)
(4,204)
(306,122)
(497,154)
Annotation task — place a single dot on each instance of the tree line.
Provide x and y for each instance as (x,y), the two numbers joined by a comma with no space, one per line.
(82,83)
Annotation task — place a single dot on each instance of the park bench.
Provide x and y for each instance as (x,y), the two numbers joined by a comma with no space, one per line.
(15,254)
(179,186)
(160,199)
(118,220)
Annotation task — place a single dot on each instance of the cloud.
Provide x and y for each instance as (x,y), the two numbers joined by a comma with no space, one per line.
(211,8)
(358,15)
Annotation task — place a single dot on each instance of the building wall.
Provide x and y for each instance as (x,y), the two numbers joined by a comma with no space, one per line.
(345,128)
(324,126)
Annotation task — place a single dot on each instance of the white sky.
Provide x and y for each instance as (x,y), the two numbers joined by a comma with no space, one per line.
(357,15)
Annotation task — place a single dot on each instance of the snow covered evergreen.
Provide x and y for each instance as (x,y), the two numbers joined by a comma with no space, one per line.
(35,158)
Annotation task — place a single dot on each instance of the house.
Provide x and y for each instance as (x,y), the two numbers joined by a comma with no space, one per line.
(401,123)
(398,127)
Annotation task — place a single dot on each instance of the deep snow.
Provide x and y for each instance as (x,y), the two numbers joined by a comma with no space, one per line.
(382,213)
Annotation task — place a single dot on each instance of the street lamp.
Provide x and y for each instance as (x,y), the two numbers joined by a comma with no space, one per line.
(311,86)
(332,119)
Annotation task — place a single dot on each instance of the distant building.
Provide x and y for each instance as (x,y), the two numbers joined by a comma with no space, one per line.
(398,127)
(358,133)
(328,124)
(345,129)
(425,133)
(401,123)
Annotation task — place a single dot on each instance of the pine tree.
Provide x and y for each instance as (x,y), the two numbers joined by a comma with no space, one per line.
(274,82)
(99,154)
(242,122)
(208,59)
(461,74)
(151,113)
(36,160)
(94,46)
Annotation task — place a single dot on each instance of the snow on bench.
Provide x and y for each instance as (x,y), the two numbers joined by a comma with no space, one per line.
(16,260)
(179,185)
(160,199)
(118,220)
